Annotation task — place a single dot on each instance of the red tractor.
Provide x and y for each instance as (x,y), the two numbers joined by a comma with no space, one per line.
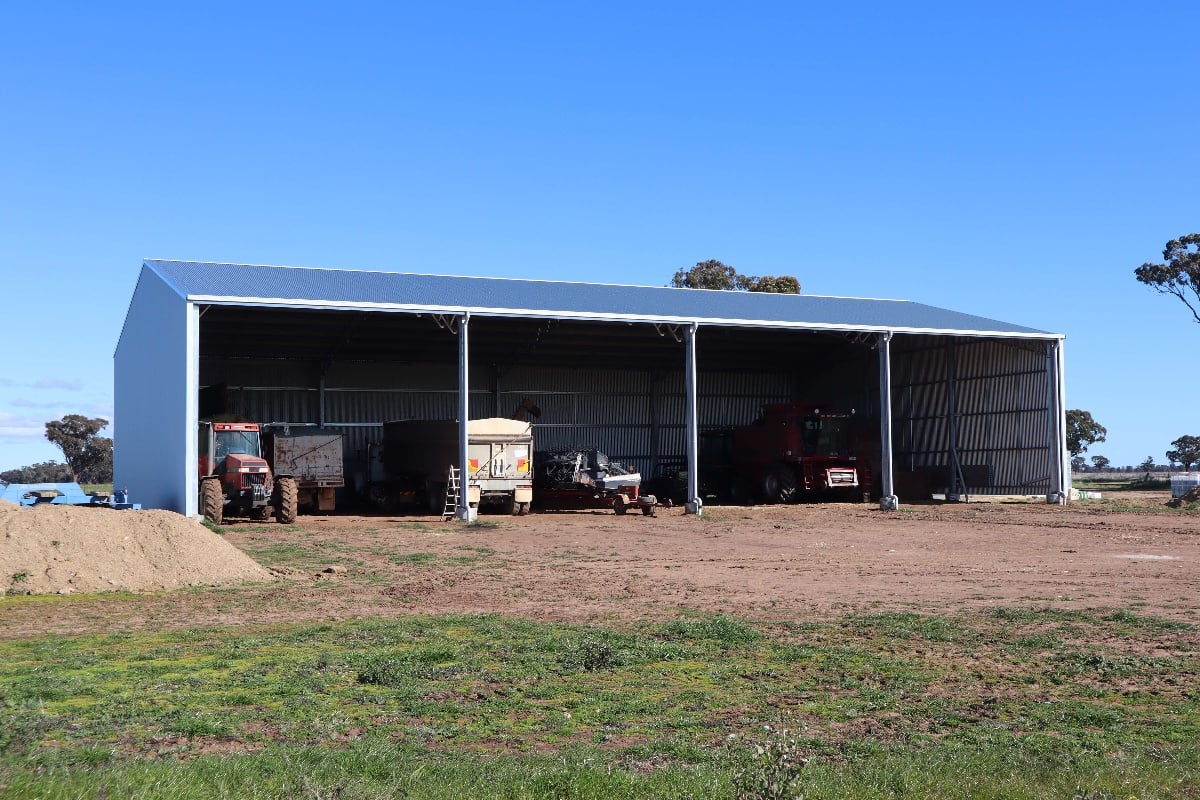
(792,450)
(235,479)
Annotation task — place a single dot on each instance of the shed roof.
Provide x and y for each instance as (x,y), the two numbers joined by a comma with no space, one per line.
(307,287)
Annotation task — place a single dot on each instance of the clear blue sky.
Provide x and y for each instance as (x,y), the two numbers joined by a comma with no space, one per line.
(1014,160)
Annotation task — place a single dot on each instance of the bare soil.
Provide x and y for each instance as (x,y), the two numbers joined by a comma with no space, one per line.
(66,549)
(767,562)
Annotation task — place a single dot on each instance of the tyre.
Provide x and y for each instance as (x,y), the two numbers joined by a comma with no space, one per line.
(287,503)
(619,507)
(212,501)
(523,510)
(779,485)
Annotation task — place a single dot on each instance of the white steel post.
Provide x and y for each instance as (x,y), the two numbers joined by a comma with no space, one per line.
(1059,491)
(464,510)
(1064,458)
(695,504)
(191,436)
(887,497)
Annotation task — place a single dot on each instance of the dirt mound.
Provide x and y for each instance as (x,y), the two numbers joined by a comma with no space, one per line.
(46,549)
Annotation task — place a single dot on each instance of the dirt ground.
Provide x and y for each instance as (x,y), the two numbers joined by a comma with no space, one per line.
(52,549)
(770,562)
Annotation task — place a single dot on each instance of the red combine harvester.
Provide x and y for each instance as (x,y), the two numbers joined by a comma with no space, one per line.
(235,479)
(793,450)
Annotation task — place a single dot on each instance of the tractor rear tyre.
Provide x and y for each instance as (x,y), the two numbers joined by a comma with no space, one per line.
(779,485)
(212,501)
(288,502)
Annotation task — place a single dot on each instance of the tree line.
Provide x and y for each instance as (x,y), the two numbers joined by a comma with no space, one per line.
(88,455)
(1083,431)
(1178,275)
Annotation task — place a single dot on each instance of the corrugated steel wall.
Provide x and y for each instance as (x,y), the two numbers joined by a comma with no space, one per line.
(618,411)
(724,399)
(606,409)
(614,410)
(1002,422)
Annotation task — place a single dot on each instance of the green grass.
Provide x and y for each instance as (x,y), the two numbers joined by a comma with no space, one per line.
(1123,483)
(1019,703)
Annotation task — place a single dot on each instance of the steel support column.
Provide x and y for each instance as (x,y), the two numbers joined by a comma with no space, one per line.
(1059,490)
(887,497)
(321,401)
(191,413)
(464,511)
(695,504)
(958,484)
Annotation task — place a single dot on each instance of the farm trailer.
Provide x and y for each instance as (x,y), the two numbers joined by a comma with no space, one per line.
(418,455)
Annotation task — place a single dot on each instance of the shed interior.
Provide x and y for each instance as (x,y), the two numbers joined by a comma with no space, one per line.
(976,402)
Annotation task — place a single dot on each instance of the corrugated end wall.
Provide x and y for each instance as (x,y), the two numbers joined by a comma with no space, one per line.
(986,399)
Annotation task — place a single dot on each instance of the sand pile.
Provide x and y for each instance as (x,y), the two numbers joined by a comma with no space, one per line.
(47,549)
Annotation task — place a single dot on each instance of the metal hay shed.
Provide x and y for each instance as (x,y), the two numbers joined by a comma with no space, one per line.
(953,401)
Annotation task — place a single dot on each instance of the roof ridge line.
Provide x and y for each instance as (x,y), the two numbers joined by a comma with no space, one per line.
(518,280)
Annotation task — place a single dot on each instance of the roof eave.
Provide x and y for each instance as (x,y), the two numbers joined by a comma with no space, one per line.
(659,319)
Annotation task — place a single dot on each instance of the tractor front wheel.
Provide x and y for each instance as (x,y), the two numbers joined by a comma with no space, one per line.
(212,501)
(779,485)
(287,504)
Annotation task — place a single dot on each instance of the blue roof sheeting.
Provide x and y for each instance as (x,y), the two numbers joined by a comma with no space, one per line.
(244,284)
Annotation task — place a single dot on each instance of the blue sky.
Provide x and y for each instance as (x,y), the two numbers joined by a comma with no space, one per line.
(1014,160)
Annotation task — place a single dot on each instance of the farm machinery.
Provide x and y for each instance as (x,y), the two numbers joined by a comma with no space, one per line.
(312,457)
(419,455)
(235,479)
(64,494)
(792,450)
(582,479)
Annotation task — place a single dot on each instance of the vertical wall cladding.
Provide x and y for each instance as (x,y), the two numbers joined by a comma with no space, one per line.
(151,424)
(275,404)
(605,409)
(621,412)
(724,399)
(360,397)
(264,390)
(987,397)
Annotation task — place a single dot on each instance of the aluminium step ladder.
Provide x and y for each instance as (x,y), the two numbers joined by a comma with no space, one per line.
(450,511)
